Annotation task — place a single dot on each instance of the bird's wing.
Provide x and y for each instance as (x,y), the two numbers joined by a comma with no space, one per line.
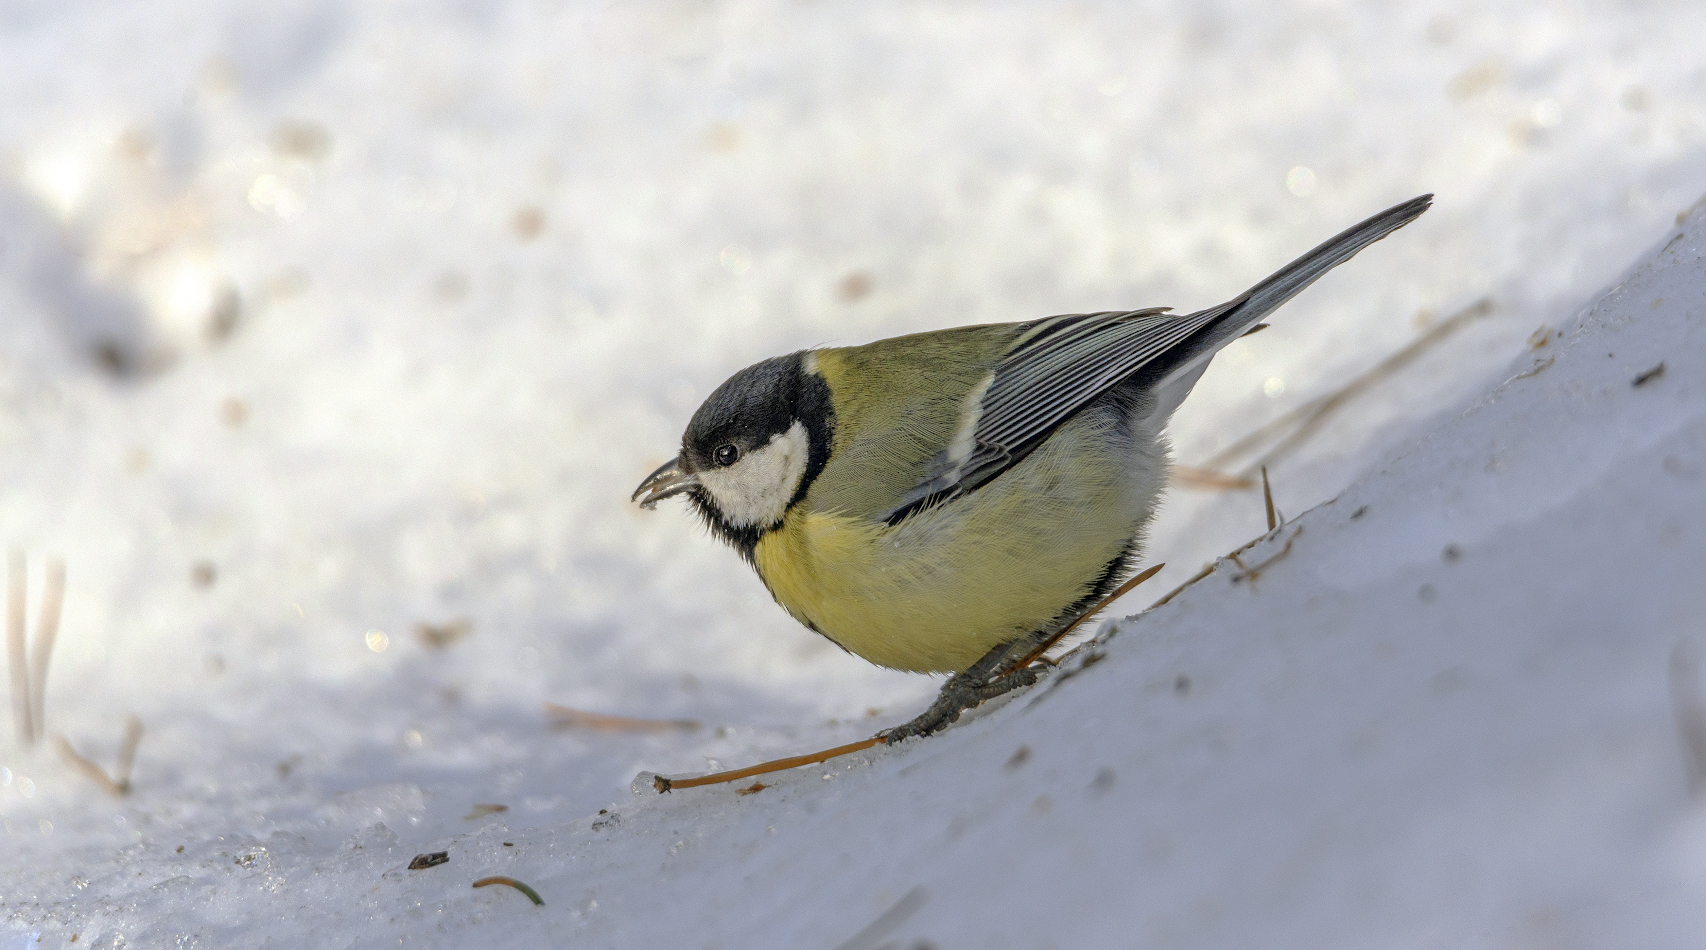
(1053,369)
(1056,367)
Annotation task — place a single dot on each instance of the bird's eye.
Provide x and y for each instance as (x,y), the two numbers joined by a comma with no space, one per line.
(726,455)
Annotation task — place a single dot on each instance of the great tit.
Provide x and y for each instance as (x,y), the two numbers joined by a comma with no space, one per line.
(943,502)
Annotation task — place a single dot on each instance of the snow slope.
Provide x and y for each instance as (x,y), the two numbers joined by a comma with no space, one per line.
(318,323)
(1421,714)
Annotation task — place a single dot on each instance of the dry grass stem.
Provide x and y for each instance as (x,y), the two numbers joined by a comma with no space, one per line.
(1268,500)
(1252,573)
(17,659)
(1206,571)
(1123,589)
(1285,434)
(90,770)
(532,895)
(29,681)
(1207,479)
(1234,558)
(47,629)
(564,717)
(1690,710)
(663,784)
(119,786)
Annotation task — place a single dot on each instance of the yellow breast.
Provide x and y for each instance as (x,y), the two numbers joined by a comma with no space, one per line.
(947,585)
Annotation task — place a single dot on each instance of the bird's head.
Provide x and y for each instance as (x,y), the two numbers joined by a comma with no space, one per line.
(751,451)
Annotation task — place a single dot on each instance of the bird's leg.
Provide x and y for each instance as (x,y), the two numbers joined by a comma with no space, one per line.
(984,680)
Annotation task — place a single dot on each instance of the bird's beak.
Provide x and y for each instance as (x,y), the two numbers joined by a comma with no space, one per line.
(667,481)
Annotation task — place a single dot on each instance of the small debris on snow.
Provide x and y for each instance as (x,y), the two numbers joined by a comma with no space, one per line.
(431,859)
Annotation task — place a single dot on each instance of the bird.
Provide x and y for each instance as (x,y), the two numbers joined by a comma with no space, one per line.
(944,502)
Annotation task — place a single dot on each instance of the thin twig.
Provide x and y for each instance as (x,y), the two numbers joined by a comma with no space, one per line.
(1125,588)
(663,784)
(47,628)
(1207,479)
(1251,573)
(126,760)
(89,769)
(1268,500)
(532,894)
(17,660)
(1291,429)
(565,717)
(1206,571)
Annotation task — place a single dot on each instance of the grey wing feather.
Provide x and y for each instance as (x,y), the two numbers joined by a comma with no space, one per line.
(1059,365)
(1054,368)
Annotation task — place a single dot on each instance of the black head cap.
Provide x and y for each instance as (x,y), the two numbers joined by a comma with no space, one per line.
(748,410)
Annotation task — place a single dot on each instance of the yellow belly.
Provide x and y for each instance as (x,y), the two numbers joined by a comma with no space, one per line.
(947,585)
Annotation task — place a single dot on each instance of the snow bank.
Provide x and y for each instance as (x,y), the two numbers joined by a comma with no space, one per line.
(1431,712)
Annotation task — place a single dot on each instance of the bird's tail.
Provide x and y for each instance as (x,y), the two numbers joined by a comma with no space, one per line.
(1237,316)
(1265,297)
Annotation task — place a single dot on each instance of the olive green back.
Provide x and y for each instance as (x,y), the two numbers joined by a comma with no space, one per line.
(898,403)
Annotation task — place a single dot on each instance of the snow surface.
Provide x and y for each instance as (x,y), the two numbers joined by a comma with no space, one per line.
(469,267)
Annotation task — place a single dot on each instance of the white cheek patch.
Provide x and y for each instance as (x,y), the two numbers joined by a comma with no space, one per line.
(755,491)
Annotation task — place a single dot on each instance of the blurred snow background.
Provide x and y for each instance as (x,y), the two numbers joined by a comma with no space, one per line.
(320,322)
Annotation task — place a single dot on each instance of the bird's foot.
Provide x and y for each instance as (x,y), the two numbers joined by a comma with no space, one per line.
(961,692)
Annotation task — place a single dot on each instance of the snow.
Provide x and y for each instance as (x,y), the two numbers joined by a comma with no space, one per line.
(404,301)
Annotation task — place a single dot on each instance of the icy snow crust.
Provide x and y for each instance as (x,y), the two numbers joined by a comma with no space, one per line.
(489,258)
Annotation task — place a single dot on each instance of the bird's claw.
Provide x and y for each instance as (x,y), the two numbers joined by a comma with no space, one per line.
(959,694)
